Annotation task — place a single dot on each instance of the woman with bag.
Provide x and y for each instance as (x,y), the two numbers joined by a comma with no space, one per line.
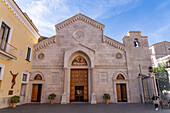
(155,101)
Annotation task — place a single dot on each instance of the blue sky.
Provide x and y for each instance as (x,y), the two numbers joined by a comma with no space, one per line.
(152,17)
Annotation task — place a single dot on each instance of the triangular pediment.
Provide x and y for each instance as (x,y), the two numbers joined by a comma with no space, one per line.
(81,17)
(78,46)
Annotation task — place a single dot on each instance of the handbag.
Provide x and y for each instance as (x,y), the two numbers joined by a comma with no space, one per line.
(156,101)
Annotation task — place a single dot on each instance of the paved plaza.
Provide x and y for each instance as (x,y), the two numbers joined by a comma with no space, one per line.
(83,108)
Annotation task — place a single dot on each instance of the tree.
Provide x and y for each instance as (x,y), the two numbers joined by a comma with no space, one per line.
(162,76)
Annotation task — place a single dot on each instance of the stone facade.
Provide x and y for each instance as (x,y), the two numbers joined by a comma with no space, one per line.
(105,57)
(159,50)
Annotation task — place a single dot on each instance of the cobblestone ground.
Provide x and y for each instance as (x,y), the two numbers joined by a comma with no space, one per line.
(83,108)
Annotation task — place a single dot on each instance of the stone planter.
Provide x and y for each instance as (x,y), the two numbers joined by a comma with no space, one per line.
(51,101)
(14,105)
(107,101)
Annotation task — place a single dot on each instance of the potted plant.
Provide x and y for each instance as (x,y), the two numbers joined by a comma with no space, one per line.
(51,97)
(106,96)
(15,100)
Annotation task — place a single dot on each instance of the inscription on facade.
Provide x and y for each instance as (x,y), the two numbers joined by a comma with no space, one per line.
(55,77)
(103,78)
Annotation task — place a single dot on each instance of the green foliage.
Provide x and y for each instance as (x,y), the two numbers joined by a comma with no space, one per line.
(163,80)
(52,96)
(106,96)
(15,99)
(161,67)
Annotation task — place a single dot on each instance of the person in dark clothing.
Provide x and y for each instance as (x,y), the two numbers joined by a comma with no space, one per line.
(155,101)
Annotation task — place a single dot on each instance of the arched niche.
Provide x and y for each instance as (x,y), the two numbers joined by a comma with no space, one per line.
(34,74)
(119,75)
(82,50)
(79,58)
(38,77)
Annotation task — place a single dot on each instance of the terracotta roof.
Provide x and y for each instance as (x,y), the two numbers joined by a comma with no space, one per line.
(159,43)
(26,16)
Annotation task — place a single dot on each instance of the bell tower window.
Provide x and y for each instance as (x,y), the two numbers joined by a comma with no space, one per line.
(136,42)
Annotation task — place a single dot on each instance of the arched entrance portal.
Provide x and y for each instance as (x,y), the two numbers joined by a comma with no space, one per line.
(79,80)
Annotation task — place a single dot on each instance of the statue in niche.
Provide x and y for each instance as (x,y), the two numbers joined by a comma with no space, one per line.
(79,61)
(13,79)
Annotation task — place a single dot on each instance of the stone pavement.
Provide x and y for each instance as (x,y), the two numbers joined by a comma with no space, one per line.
(83,108)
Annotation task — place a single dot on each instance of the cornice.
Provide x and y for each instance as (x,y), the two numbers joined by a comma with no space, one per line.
(45,43)
(79,17)
(110,67)
(47,67)
(21,17)
(114,43)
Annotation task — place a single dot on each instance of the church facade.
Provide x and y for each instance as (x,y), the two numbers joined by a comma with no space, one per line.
(80,64)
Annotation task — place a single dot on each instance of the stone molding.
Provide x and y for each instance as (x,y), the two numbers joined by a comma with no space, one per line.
(79,17)
(110,66)
(21,17)
(44,43)
(114,43)
(47,66)
(95,67)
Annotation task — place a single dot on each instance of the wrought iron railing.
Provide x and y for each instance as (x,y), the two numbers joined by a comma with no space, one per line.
(7,48)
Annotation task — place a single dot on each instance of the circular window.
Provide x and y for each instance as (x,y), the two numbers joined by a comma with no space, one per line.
(41,56)
(118,55)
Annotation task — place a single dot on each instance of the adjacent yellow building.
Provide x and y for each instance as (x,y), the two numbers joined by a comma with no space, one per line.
(17,37)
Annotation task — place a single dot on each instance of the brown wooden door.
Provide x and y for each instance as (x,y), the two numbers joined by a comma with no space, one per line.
(121,93)
(36,93)
(79,85)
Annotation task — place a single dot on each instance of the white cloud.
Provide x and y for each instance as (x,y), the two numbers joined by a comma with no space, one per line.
(46,13)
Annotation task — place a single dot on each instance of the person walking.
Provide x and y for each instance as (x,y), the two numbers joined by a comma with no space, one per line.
(155,101)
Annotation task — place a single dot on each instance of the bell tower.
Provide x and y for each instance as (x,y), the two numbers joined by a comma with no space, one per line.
(138,60)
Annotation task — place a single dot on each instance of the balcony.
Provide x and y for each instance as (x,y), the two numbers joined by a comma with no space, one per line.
(7,51)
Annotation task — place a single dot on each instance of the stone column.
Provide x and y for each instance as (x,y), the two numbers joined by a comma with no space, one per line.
(155,90)
(151,84)
(141,89)
(64,95)
(93,97)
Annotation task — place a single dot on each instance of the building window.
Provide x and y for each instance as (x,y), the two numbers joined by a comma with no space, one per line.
(152,61)
(25,77)
(4,34)
(2,68)
(29,51)
(150,51)
(136,42)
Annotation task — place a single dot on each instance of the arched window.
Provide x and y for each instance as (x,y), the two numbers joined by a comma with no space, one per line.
(79,61)
(136,42)
(120,77)
(38,77)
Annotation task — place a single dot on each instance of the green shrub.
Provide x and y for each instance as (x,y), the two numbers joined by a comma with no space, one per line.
(52,96)
(15,99)
(106,96)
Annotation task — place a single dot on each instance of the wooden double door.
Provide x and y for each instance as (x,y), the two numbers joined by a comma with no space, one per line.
(121,93)
(36,93)
(79,85)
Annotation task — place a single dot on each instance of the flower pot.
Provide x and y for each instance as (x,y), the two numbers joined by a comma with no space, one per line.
(51,101)
(163,103)
(107,101)
(14,105)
